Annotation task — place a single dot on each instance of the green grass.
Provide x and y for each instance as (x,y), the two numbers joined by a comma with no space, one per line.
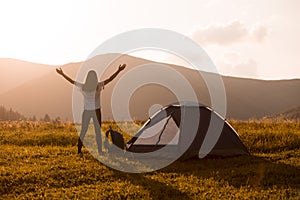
(39,160)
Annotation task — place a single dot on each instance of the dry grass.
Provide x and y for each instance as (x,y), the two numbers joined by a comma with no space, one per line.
(39,160)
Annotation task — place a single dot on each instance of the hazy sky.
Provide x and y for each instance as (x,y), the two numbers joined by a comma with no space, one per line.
(253,38)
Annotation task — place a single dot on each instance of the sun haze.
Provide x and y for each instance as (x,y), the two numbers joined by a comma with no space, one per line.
(257,39)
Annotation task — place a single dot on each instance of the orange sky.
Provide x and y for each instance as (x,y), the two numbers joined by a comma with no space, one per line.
(258,39)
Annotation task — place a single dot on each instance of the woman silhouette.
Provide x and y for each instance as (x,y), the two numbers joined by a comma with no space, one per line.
(91,91)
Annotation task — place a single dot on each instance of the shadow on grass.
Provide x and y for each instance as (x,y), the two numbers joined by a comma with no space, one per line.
(157,189)
(252,171)
(240,171)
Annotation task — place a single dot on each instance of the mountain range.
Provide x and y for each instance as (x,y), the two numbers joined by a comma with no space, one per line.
(36,89)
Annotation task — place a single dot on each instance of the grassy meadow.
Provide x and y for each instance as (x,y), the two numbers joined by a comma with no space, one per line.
(39,160)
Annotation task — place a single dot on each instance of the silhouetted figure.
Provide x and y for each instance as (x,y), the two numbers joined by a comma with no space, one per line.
(91,90)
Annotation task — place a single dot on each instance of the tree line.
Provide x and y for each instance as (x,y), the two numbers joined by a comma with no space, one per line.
(11,115)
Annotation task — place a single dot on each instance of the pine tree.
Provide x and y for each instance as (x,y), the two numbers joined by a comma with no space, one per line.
(10,114)
(47,118)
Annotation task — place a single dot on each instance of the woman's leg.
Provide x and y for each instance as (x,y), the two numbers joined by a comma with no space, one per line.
(84,126)
(97,125)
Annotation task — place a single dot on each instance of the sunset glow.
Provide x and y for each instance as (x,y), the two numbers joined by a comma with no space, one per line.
(257,39)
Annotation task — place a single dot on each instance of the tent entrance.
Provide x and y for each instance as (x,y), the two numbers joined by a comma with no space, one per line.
(164,132)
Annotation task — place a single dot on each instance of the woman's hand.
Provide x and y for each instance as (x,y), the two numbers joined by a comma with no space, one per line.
(122,67)
(59,71)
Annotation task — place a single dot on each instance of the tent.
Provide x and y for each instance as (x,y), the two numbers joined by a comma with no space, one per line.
(177,128)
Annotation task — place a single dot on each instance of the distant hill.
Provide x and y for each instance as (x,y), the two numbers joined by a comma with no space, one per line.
(246,98)
(292,114)
(14,72)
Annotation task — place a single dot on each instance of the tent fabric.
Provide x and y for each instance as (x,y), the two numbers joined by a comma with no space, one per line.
(165,128)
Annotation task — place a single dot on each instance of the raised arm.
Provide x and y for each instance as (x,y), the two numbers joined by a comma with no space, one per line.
(60,71)
(121,67)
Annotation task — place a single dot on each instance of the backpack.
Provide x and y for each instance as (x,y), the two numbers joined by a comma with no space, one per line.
(116,138)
